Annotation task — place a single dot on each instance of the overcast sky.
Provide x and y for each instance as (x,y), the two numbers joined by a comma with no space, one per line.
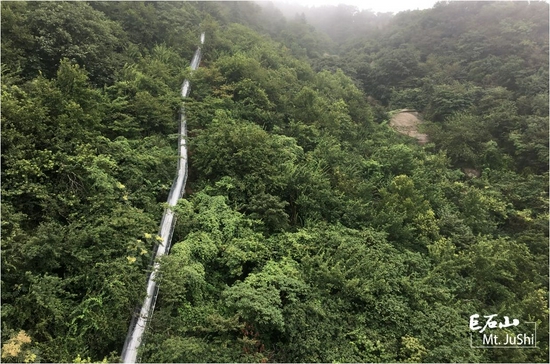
(382,6)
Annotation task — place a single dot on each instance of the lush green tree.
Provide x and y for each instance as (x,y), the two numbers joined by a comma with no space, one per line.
(53,31)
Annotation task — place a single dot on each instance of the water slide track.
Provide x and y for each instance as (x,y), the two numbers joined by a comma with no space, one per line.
(139,321)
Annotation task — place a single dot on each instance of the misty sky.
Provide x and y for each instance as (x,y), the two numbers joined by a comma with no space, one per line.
(382,6)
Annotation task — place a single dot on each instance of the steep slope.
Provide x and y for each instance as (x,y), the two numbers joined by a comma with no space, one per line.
(311,231)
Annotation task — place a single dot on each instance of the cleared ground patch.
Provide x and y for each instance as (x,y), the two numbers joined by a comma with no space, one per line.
(406,122)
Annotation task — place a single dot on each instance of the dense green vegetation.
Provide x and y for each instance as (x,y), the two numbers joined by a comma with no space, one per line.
(310,231)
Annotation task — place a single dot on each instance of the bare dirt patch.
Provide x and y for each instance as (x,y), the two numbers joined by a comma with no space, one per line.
(406,122)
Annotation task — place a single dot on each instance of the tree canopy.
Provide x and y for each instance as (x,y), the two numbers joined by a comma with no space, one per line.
(310,231)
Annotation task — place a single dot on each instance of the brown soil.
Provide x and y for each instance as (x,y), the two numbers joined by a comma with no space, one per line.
(406,122)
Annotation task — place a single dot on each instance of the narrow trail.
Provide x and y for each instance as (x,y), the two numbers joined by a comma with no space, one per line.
(138,324)
(406,122)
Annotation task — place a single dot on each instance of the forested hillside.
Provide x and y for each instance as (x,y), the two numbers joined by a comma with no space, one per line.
(310,230)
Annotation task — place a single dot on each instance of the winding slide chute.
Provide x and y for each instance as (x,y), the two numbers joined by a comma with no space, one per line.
(138,324)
